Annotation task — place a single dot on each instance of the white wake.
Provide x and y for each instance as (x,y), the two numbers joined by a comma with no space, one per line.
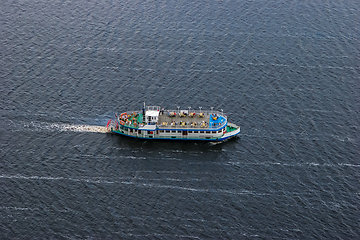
(61,127)
(80,128)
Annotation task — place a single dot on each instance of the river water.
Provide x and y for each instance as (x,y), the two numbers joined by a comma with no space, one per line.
(287,72)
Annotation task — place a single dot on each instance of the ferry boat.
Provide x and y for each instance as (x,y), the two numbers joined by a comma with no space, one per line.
(154,122)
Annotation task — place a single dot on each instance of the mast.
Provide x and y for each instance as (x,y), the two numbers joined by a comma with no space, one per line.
(143,120)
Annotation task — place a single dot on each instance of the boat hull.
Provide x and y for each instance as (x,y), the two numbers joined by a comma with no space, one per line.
(226,136)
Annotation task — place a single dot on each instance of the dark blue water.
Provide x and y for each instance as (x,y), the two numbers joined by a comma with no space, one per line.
(287,72)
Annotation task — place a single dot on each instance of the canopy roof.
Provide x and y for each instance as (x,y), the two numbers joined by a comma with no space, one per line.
(151,113)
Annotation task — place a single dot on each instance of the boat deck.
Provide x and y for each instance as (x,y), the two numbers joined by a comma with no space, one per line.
(177,119)
(165,121)
(206,122)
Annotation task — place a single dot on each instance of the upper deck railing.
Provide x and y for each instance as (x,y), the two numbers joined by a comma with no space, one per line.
(186,122)
(197,111)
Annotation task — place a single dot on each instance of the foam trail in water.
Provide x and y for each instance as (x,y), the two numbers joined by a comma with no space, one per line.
(64,127)
(80,128)
(132,181)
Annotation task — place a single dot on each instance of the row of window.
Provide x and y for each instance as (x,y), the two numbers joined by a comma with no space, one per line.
(174,131)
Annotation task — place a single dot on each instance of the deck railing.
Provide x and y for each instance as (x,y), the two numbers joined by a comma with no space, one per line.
(187,119)
(180,127)
(190,127)
(205,112)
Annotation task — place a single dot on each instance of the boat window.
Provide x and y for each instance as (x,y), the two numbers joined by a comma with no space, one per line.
(213,131)
(208,132)
(201,131)
(167,131)
(196,131)
(190,131)
(139,131)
